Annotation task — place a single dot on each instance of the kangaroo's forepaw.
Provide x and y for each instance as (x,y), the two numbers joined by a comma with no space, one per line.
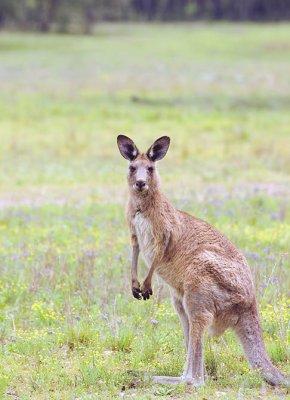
(146,291)
(136,291)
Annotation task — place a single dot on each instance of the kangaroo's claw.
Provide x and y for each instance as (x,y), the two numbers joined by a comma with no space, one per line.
(146,292)
(136,292)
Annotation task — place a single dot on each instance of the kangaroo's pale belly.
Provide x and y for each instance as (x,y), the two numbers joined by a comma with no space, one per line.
(145,238)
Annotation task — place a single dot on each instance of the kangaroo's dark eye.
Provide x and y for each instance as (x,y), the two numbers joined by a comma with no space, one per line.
(150,169)
(132,169)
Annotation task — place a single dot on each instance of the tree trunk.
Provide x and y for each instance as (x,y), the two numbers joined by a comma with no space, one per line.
(89,18)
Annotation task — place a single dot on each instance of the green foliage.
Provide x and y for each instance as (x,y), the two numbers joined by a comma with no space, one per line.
(69,327)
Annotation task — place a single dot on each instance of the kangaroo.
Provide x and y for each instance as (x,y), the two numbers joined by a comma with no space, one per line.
(210,282)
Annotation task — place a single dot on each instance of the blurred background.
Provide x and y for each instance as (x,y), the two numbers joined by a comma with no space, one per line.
(214,75)
(82,15)
(74,74)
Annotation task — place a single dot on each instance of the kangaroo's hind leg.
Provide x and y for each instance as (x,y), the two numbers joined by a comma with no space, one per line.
(199,319)
(249,331)
(177,302)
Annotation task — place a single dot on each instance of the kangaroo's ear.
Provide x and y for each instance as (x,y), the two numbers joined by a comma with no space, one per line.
(158,149)
(127,147)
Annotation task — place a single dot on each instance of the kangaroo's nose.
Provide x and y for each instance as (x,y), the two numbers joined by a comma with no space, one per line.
(140,184)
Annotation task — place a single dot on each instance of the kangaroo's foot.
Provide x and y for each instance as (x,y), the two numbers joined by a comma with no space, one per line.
(189,380)
(167,380)
(176,380)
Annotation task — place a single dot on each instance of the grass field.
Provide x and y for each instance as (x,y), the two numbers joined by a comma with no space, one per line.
(69,327)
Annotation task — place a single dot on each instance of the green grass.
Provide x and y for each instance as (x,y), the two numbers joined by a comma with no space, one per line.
(69,327)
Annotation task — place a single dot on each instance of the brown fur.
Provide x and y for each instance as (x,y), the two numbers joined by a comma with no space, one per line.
(210,282)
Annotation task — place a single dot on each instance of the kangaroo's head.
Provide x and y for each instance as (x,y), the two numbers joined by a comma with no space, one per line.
(142,174)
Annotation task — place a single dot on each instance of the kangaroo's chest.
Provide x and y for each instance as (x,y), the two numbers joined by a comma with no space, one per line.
(147,243)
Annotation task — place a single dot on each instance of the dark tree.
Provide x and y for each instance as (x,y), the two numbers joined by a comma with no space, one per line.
(82,15)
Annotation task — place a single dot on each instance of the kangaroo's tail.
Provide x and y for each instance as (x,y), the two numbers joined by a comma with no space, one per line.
(249,332)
